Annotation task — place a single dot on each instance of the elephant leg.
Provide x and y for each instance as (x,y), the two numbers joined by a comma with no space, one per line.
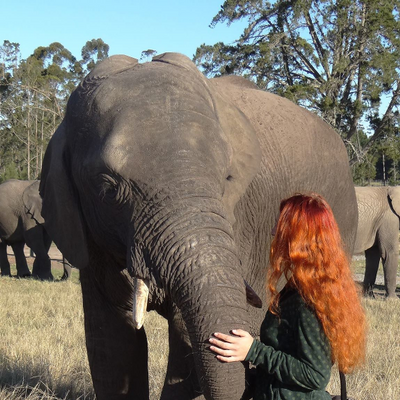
(39,242)
(372,258)
(181,381)
(117,352)
(20,260)
(390,274)
(67,270)
(389,249)
(4,263)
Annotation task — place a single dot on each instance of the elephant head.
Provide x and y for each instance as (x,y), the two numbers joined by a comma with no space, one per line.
(143,171)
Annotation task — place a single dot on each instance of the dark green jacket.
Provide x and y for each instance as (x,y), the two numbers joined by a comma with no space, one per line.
(293,358)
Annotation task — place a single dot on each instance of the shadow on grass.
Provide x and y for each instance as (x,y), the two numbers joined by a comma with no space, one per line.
(379,290)
(57,270)
(23,381)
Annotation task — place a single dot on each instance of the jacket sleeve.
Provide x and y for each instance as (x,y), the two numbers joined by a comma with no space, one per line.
(310,368)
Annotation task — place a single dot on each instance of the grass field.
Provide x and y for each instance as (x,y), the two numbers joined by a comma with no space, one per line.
(43,356)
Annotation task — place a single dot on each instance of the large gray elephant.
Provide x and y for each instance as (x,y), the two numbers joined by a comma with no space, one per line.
(172,182)
(21,223)
(378,234)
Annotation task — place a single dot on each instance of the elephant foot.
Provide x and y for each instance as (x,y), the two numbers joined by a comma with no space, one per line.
(64,277)
(392,297)
(44,278)
(369,294)
(25,275)
(368,291)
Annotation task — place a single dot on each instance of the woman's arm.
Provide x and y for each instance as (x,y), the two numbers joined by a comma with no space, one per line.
(231,348)
(309,368)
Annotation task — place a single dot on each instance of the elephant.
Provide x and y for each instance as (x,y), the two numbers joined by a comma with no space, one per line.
(167,185)
(378,234)
(21,223)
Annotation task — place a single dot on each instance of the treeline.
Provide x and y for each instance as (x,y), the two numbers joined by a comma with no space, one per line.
(338,58)
(33,96)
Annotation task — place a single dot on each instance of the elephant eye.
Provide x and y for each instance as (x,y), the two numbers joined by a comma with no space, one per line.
(108,190)
(113,190)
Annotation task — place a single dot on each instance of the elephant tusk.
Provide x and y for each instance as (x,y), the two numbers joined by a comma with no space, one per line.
(140,297)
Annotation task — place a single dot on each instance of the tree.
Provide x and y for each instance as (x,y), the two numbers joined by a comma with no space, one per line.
(365,171)
(10,148)
(339,58)
(34,93)
(387,149)
(147,55)
(94,51)
(9,58)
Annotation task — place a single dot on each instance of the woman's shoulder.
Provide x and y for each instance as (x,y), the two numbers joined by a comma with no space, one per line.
(292,299)
(289,294)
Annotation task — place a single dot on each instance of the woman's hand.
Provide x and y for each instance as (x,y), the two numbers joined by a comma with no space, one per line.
(231,348)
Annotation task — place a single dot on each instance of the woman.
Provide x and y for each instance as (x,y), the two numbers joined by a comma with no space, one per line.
(315,320)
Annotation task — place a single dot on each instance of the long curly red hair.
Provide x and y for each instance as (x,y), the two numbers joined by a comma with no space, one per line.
(308,250)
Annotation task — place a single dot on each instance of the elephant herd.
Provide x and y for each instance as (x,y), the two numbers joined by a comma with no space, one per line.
(21,223)
(162,187)
(378,234)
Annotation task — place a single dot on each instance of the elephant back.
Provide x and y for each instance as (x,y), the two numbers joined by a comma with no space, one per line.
(300,153)
(12,208)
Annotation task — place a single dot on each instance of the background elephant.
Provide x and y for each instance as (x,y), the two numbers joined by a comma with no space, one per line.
(173,182)
(378,234)
(21,223)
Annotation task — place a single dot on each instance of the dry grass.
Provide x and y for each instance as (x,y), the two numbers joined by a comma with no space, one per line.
(42,351)
(42,339)
(379,379)
(42,345)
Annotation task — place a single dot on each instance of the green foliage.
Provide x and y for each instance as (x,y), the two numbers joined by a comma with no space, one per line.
(339,58)
(34,94)
(94,51)
(364,171)
(147,55)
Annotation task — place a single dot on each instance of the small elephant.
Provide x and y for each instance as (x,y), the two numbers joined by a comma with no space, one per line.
(167,186)
(21,223)
(378,234)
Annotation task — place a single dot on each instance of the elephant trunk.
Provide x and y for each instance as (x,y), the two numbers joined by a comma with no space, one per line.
(202,276)
(216,303)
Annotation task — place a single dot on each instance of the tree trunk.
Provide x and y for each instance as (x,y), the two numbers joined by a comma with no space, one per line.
(28,145)
(383,169)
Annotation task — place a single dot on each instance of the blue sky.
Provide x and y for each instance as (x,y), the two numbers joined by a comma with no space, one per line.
(127,26)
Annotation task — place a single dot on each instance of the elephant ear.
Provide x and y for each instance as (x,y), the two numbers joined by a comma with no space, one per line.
(33,202)
(242,138)
(61,208)
(394,196)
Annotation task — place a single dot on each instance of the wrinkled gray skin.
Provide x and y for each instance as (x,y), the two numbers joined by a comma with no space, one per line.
(21,223)
(179,179)
(378,234)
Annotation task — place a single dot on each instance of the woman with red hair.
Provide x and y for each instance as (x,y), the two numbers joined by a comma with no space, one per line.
(316,320)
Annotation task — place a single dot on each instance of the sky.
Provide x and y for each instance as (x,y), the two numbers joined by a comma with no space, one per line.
(127,26)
